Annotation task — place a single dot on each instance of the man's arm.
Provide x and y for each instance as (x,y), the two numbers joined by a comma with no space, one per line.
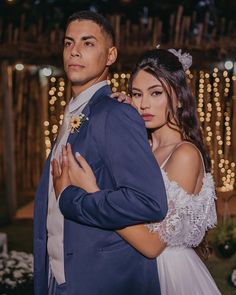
(140,195)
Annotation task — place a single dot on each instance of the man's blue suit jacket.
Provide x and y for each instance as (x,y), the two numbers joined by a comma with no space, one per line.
(97,260)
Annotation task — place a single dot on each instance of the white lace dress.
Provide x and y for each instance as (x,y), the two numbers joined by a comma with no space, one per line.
(181,271)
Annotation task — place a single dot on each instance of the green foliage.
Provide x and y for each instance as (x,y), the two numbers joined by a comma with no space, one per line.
(225,231)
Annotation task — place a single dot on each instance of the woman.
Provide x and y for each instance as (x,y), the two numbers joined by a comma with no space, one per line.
(159,92)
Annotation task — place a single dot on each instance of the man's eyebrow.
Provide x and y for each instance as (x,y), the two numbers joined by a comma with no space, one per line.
(68,38)
(84,38)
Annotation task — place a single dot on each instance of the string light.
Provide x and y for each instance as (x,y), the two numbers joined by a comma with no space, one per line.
(19,67)
(56,101)
(229,65)
(214,107)
(212,99)
(119,82)
(46,72)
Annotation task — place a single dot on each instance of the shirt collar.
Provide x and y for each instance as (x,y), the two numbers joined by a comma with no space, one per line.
(83,98)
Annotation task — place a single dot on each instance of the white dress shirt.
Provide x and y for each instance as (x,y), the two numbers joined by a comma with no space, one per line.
(55,220)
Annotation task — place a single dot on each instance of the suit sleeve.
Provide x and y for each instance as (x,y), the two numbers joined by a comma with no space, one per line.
(140,196)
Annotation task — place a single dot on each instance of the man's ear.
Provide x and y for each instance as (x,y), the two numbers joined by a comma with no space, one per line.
(112,56)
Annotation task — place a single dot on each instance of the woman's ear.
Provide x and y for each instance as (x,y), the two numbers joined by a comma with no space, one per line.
(112,56)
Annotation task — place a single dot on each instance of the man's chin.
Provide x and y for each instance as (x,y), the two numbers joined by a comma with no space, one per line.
(74,77)
(77,82)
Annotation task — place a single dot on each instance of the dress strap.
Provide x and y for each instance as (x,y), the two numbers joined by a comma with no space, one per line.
(166,160)
(174,149)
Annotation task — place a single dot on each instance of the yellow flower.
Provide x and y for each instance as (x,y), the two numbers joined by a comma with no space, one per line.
(76,122)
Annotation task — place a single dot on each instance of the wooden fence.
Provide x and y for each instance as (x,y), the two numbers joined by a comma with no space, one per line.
(37,43)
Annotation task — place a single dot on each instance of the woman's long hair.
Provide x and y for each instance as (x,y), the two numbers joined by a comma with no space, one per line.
(167,69)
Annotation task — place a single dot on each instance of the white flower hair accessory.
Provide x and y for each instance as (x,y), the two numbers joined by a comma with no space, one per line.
(185,58)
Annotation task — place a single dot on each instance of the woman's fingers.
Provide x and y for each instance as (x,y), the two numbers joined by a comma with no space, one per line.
(121,97)
(65,169)
(128,100)
(78,160)
(83,163)
(55,168)
(68,149)
(115,94)
(64,151)
(70,156)
(65,162)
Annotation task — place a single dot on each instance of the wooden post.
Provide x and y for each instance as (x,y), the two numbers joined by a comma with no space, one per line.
(171,29)
(10,33)
(127,34)
(178,24)
(8,146)
(199,36)
(154,33)
(234,121)
(117,30)
(187,31)
(1,30)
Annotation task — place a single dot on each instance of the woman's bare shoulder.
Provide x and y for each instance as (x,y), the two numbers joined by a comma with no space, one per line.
(185,165)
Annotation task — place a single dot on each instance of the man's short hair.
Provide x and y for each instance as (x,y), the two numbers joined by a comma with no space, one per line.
(99,19)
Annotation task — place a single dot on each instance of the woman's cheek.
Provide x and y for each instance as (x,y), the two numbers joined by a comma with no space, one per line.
(135,105)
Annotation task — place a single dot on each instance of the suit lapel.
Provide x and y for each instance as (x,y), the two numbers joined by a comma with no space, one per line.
(98,96)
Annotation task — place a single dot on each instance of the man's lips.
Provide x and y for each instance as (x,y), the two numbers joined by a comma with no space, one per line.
(147,117)
(75,66)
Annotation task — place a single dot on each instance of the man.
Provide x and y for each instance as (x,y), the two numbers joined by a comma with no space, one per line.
(77,251)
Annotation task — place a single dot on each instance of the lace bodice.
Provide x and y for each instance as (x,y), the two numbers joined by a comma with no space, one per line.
(188,216)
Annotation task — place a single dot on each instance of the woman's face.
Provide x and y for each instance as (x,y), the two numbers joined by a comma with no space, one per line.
(150,99)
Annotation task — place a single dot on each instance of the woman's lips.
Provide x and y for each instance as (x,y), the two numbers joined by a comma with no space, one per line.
(147,117)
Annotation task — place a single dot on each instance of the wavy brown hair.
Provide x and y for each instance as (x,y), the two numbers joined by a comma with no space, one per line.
(167,69)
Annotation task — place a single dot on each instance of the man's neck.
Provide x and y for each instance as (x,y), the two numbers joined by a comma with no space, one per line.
(78,89)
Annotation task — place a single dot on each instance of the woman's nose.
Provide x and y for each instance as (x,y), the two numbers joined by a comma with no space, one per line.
(145,103)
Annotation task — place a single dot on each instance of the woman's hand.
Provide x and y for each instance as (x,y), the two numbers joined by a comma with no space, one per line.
(60,175)
(80,172)
(121,97)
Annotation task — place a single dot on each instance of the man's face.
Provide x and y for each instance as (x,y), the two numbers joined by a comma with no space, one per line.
(86,53)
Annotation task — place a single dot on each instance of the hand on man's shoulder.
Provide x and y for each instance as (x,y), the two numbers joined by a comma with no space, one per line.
(124,110)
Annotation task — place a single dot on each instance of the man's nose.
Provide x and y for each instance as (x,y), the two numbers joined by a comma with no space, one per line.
(76,50)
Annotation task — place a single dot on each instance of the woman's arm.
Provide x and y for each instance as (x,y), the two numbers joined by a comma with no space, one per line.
(139,236)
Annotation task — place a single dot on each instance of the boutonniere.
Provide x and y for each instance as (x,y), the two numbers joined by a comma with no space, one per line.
(76,122)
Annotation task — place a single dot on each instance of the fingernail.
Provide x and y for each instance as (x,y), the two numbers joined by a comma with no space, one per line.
(77,154)
(67,144)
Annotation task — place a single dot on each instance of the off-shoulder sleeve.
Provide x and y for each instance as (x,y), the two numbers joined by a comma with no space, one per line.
(188,216)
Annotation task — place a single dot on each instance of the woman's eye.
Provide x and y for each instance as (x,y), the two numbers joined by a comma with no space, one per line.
(136,94)
(156,93)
